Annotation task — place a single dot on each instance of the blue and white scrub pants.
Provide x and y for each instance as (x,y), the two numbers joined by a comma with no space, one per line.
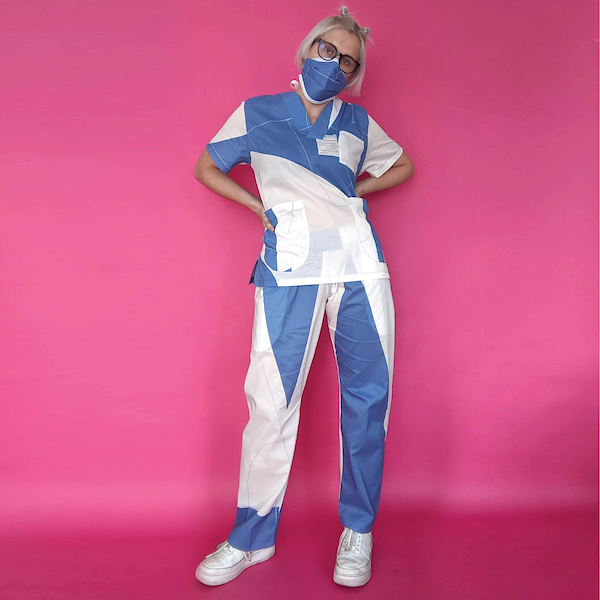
(287,323)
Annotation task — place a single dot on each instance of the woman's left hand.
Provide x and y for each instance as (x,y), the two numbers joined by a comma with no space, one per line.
(400,171)
(360,189)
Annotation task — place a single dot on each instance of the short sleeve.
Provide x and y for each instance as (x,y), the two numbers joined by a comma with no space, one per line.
(382,151)
(229,147)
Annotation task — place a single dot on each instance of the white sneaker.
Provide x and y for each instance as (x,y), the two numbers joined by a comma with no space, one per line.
(353,560)
(227,562)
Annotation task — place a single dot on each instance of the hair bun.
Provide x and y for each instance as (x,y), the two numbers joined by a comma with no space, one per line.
(366,30)
(344,11)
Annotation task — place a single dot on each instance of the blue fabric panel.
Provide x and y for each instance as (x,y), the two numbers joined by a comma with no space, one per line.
(270,118)
(364,385)
(270,240)
(268,122)
(229,153)
(261,276)
(289,313)
(251,532)
(360,115)
(300,116)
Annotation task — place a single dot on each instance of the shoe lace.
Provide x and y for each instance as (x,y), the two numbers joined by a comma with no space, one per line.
(352,540)
(228,549)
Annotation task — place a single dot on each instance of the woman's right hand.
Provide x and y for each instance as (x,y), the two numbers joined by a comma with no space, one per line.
(259,209)
(265,221)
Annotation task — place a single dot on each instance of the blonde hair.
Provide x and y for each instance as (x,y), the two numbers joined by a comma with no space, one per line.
(344,21)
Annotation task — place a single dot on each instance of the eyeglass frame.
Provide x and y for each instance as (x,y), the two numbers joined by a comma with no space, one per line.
(319,40)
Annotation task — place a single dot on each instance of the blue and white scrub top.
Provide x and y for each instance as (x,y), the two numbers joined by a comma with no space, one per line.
(306,175)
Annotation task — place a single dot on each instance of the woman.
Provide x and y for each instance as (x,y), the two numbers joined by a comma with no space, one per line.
(320,253)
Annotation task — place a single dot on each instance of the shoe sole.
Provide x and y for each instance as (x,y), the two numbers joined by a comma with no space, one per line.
(351,580)
(258,556)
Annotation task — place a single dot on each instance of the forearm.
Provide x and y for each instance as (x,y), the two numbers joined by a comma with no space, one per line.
(392,177)
(220,183)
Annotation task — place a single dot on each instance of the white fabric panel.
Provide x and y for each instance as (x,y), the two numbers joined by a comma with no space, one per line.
(335,110)
(264,445)
(329,239)
(269,438)
(281,180)
(351,149)
(382,151)
(235,126)
(293,237)
(333,307)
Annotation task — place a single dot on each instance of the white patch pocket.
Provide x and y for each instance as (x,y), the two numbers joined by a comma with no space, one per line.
(351,149)
(291,234)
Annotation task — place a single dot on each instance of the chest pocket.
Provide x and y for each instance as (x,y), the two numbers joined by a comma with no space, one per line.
(351,149)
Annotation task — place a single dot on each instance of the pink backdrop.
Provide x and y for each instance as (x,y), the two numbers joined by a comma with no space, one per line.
(125,310)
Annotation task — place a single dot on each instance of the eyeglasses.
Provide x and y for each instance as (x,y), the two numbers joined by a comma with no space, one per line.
(329,52)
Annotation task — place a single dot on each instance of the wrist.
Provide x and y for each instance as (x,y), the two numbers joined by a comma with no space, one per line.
(362,188)
(255,205)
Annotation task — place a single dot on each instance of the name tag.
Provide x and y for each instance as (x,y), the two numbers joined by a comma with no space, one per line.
(328,146)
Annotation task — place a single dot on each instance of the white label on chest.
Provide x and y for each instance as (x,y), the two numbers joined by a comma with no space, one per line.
(328,146)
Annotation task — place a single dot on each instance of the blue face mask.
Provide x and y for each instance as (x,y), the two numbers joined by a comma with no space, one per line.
(321,80)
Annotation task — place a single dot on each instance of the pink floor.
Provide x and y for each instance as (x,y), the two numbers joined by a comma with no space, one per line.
(417,556)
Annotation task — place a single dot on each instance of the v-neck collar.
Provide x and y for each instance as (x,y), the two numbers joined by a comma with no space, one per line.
(300,116)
